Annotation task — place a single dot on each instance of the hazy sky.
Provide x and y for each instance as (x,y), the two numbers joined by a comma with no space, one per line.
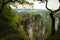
(52,4)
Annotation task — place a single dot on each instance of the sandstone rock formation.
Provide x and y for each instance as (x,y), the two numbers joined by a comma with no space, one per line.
(34,24)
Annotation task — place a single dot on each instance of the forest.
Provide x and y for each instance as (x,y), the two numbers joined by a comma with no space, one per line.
(28,24)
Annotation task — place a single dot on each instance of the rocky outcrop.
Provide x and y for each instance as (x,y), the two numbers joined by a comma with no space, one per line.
(59,25)
(56,23)
(34,24)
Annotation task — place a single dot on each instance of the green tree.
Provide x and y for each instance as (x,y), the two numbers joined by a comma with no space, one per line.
(10,26)
(10,22)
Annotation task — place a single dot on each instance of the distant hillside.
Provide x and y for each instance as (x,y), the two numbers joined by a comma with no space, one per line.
(21,12)
(57,14)
(39,11)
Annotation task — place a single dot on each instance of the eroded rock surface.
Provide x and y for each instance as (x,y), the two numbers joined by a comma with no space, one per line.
(34,26)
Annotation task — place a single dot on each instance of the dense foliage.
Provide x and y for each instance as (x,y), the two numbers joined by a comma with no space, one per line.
(10,26)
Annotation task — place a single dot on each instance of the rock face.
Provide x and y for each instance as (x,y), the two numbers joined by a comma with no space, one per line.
(56,23)
(59,26)
(34,27)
